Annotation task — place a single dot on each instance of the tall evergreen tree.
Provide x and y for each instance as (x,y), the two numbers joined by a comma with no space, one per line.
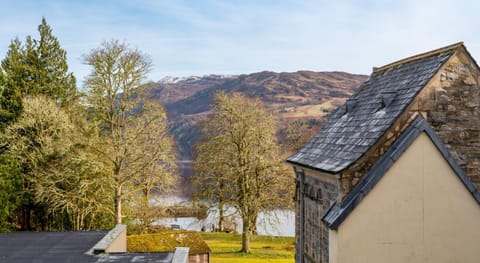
(10,81)
(53,79)
(10,199)
(37,67)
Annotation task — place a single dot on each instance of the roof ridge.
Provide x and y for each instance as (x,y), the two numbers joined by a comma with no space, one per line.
(419,56)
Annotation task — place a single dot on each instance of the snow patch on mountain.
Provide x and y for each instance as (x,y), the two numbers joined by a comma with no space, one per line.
(173,79)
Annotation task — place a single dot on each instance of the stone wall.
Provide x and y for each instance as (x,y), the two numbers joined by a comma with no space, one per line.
(451,104)
(456,121)
(199,258)
(313,197)
(299,204)
(453,110)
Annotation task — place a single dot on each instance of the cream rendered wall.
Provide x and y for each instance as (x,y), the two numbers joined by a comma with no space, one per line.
(419,211)
(332,246)
(119,243)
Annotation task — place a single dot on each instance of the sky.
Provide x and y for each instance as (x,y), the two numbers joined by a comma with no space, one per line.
(185,38)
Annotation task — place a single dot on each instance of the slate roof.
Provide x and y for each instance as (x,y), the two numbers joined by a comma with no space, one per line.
(48,246)
(356,126)
(135,257)
(339,212)
(64,247)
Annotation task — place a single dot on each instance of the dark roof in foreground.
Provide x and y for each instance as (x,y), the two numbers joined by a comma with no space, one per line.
(135,257)
(48,246)
(64,247)
(338,213)
(357,125)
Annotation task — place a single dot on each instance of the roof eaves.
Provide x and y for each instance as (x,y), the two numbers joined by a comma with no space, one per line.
(311,167)
(336,215)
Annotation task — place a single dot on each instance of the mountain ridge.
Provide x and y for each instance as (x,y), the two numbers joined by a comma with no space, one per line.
(289,95)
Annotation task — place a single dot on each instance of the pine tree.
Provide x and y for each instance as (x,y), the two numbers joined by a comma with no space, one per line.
(10,183)
(37,67)
(51,67)
(10,81)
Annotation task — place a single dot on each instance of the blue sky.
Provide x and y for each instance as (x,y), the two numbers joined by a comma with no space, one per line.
(233,37)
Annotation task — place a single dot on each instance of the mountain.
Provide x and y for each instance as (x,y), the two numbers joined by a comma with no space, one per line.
(291,96)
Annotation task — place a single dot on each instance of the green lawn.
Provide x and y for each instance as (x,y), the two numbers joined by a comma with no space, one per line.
(225,248)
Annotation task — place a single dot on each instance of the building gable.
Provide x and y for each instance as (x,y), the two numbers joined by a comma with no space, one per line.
(419,211)
(343,162)
(339,212)
(357,125)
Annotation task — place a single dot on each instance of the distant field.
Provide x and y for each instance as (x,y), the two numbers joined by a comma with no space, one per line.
(225,248)
(313,110)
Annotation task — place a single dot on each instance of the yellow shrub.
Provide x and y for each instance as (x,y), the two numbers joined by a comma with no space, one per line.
(166,242)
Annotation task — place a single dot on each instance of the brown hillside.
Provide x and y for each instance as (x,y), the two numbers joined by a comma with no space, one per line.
(298,95)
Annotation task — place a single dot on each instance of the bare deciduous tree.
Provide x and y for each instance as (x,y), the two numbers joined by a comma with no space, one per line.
(58,170)
(239,161)
(136,147)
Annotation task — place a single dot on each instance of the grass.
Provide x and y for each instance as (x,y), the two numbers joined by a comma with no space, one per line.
(225,248)
(312,110)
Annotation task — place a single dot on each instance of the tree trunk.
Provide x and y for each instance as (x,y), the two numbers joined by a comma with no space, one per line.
(253,227)
(25,218)
(246,236)
(221,218)
(118,205)
(28,216)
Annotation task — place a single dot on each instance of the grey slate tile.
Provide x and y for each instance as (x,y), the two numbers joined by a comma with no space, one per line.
(348,135)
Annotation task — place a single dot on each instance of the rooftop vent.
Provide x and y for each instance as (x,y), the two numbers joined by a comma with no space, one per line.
(387,98)
(351,103)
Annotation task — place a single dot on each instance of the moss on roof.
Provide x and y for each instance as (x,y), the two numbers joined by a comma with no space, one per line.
(167,241)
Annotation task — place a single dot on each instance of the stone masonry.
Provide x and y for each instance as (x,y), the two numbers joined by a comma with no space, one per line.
(449,101)
(451,104)
(318,195)
(455,115)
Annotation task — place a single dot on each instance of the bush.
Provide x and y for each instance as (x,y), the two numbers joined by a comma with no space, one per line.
(167,241)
